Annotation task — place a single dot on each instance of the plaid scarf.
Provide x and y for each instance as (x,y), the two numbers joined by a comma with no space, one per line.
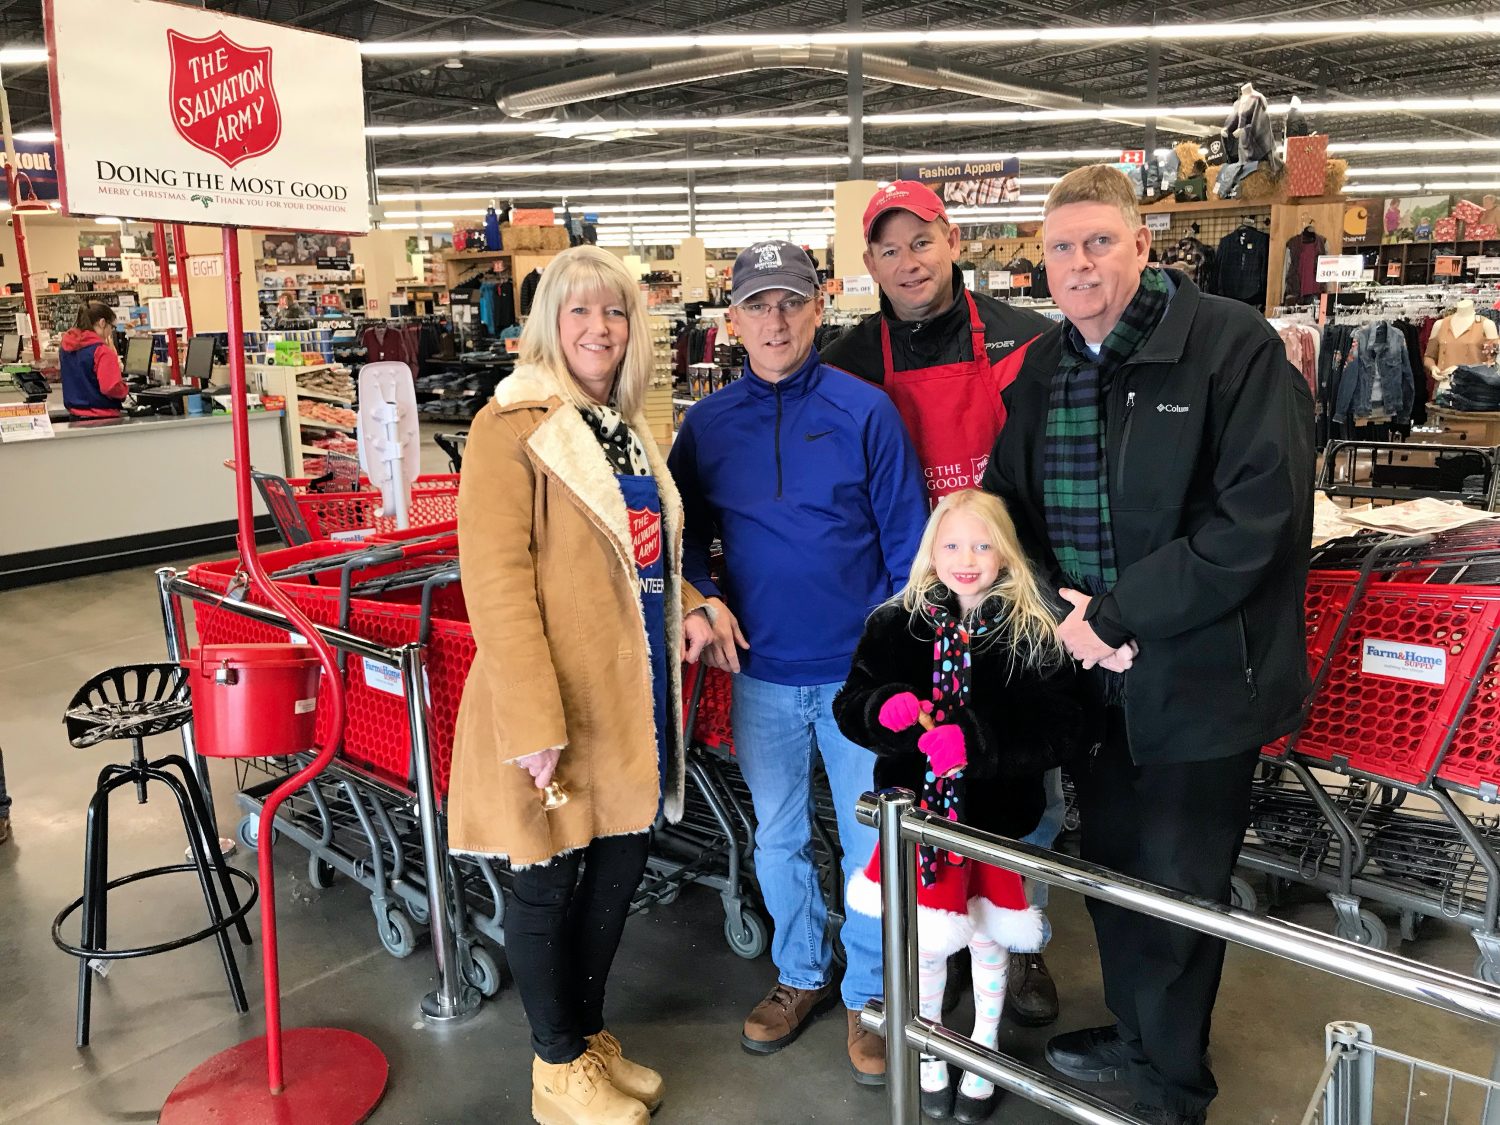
(1076,489)
(952,632)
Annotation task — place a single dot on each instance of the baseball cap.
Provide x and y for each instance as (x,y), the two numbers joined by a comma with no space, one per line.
(904,195)
(774,264)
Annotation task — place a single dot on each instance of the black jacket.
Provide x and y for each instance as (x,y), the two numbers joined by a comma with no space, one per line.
(932,343)
(1208,433)
(1016,726)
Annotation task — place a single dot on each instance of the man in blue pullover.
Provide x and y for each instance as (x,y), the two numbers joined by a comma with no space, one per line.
(808,478)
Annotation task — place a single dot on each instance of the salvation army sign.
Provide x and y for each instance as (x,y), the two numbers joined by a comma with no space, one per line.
(234,122)
(223,100)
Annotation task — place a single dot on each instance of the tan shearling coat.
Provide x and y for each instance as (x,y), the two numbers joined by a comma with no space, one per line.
(551,585)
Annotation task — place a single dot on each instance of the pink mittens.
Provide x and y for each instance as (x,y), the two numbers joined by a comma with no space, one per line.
(944,747)
(899,711)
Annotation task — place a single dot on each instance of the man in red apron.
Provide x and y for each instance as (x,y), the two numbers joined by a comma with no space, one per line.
(944,354)
(941,352)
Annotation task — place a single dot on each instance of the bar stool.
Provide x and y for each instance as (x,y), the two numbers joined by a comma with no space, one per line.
(134,702)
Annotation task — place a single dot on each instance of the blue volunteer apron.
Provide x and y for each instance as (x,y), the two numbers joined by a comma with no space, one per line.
(643,510)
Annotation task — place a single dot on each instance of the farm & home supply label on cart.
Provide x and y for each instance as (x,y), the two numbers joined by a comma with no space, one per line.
(233,122)
(1422,664)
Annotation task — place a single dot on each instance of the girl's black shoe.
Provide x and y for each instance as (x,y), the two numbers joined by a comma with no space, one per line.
(937,1105)
(971,1111)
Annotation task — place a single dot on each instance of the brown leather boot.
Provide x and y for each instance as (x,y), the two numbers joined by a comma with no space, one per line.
(777,1020)
(631,1079)
(866,1053)
(580,1093)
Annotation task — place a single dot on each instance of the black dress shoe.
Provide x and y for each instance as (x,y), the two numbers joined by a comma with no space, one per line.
(960,977)
(938,1104)
(1030,995)
(1094,1054)
(971,1111)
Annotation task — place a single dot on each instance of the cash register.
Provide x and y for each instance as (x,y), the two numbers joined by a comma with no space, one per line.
(147,398)
(27,379)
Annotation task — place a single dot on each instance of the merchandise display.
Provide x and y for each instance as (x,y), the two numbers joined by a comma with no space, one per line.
(1075,463)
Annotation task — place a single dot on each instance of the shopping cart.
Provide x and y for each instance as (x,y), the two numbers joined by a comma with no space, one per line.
(1404,717)
(1363,1083)
(303,512)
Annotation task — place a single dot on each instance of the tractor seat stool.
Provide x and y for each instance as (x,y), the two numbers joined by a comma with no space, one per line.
(133,702)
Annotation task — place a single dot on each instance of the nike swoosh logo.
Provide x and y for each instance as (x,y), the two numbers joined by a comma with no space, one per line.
(820,433)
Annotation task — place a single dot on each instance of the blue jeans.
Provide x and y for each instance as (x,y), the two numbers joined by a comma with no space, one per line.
(1045,834)
(777,728)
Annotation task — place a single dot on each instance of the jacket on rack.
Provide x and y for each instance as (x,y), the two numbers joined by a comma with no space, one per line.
(1208,439)
(942,340)
(1243,257)
(813,488)
(92,383)
(1377,372)
(1017,723)
(552,581)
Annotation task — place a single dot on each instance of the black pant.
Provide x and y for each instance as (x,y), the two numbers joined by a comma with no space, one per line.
(561,934)
(1179,825)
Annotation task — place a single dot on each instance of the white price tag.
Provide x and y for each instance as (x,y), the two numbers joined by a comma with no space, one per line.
(1339,267)
(999,279)
(862,285)
(1489,267)
(1158,222)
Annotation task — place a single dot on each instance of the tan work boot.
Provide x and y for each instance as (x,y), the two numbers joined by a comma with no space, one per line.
(580,1093)
(866,1053)
(778,1019)
(631,1079)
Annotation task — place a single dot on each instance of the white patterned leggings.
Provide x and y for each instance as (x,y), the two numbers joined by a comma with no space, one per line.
(990,961)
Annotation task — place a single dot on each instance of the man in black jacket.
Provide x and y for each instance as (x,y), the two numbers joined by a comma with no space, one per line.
(944,355)
(1158,462)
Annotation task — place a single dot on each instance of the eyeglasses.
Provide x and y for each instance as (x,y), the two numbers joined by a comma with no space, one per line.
(759,310)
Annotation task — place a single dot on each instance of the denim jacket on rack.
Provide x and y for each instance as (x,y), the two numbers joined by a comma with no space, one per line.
(1378,352)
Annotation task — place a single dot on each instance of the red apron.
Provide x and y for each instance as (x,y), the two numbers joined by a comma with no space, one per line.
(953,412)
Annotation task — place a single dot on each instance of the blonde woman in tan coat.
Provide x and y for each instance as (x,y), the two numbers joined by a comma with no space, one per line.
(570,530)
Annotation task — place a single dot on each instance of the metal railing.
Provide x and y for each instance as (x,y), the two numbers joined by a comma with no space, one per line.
(903,827)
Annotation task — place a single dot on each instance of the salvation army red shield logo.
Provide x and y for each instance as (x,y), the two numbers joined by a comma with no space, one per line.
(222,97)
(645,535)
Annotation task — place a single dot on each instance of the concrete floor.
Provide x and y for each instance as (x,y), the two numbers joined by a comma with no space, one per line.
(678,992)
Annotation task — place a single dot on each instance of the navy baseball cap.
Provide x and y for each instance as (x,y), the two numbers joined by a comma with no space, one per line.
(772,265)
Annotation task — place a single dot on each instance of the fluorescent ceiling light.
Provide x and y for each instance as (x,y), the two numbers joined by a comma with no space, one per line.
(1377,189)
(961,37)
(734,189)
(612,166)
(1438,185)
(528,193)
(1450,144)
(22,56)
(1427,169)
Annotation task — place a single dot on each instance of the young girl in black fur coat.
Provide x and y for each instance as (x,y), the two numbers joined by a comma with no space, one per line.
(961,689)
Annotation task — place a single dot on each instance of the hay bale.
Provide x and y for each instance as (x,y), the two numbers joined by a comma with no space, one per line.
(1213,180)
(1335,171)
(1261,187)
(1188,153)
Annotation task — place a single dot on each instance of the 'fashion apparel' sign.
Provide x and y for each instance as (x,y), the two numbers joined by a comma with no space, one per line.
(1423,664)
(212,137)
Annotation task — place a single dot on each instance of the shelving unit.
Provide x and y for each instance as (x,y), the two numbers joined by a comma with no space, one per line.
(285,381)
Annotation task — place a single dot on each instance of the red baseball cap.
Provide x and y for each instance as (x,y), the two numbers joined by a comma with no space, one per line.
(904,195)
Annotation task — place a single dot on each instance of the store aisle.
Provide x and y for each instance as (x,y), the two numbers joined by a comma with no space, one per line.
(679,993)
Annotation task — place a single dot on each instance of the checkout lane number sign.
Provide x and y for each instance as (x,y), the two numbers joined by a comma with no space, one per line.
(1400,660)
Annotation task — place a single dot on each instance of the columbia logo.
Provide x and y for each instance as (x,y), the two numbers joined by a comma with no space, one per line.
(1171,408)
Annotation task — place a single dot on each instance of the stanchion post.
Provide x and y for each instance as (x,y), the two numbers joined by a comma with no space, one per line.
(164,274)
(898,908)
(179,246)
(454,999)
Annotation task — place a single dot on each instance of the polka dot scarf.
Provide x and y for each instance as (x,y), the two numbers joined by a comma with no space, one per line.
(950,691)
(627,456)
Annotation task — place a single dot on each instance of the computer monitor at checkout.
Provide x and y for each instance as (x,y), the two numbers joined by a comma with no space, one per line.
(138,357)
(200,359)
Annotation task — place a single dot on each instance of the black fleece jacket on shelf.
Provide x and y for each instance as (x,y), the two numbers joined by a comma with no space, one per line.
(1017,725)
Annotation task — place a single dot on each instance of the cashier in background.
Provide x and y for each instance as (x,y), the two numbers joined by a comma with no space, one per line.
(93,384)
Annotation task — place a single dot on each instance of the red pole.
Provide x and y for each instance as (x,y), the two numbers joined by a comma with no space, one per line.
(333,684)
(179,243)
(164,273)
(23,262)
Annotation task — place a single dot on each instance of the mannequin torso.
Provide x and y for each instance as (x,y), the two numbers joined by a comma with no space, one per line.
(1458,339)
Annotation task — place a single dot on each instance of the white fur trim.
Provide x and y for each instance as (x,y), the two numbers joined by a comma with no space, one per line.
(1021,931)
(939,932)
(862,895)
